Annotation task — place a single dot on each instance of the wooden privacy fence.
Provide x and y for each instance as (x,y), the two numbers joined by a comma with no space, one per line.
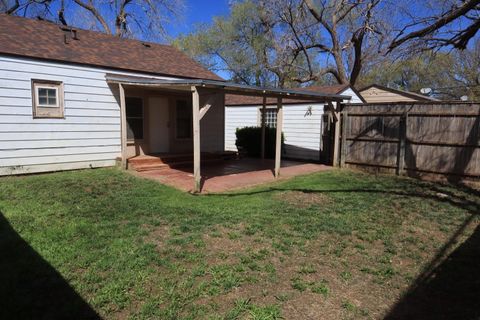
(413,139)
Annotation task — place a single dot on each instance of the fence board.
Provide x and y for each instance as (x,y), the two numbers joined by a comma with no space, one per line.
(438,137)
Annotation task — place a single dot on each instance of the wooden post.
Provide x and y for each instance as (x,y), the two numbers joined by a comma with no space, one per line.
(196,140)
(264,108)
(345,131)
(278,139)
(123,126)
(402,139)
(336,136)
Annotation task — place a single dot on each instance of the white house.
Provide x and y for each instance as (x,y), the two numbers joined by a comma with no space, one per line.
(58,111)
(306,127)
(72,98)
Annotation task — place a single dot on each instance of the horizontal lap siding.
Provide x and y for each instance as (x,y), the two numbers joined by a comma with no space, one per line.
(238,117)
(89,136)
(211,126)
(302,130)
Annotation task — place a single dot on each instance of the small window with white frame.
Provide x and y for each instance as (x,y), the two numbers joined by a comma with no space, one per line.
(47,99)
(270,117)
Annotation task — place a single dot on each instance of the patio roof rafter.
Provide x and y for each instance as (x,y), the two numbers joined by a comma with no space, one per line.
(226,87)
(212,88)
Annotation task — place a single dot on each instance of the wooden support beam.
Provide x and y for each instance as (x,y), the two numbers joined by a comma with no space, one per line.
(196,140)
(208,104)
(123,126)
(278,139)
(333,111)
(264,109)
(345,132)
(402,140)
(336,135)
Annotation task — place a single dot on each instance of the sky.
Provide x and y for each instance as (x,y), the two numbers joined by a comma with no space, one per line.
(198,11)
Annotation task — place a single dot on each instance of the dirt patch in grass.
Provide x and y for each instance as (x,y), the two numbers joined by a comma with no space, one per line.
(339,277)
(301,199)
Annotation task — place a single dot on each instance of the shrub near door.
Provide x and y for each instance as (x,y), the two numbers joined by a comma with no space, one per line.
(249,141)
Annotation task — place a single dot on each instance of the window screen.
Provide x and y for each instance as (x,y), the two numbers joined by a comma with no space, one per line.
(134,115)
(183,119)
(271,118)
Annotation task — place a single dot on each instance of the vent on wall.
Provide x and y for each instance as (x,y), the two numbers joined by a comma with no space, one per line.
(69,34)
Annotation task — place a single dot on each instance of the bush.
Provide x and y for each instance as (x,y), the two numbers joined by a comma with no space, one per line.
(249,141)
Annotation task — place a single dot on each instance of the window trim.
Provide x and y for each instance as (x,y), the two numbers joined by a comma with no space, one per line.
(176,122)
(143,119)
(267,109)
(46,111)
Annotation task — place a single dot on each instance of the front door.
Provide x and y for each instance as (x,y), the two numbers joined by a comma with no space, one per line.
(159,125)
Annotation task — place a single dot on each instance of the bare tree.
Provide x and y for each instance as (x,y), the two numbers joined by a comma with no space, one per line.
(346,25)
(37,8)
(442,28)
(123,18)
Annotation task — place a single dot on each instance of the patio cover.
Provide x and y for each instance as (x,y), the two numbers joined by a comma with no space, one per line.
(194,86)
(227,87)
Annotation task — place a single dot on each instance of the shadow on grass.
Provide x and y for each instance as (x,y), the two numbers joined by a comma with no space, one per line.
(436,194)
(449,285)
(30,288)
(448,288)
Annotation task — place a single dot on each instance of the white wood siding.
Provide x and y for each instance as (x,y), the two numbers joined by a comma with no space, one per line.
(351,93)
(302,129)
(89,136)
(211,126)
(238,117)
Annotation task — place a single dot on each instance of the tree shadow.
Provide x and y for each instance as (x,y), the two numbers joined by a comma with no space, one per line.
(30,288)
(449,285)
(435,193)
(448,288)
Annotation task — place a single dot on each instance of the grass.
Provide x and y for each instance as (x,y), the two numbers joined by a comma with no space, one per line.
(104,243)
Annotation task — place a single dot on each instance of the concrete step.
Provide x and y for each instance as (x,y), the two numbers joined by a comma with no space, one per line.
(156,162)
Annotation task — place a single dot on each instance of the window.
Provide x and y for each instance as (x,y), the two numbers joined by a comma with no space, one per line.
(271,118)
(47,99)
(134,115)
(183,114)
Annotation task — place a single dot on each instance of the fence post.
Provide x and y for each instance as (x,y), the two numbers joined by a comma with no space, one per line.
(402,139)
(345,130)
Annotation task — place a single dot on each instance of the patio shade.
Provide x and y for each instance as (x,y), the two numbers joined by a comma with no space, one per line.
(224,86)
(194,86)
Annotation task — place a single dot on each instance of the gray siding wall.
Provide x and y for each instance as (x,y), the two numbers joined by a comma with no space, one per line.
(302,126)
(88,136)
(211,127)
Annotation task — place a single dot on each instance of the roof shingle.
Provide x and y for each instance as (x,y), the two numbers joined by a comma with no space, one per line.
(46,40)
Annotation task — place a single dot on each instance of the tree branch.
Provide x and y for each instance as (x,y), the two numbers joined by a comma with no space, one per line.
(89,7)
(438,24)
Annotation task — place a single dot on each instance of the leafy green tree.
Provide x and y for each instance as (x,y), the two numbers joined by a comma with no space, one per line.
(451,75)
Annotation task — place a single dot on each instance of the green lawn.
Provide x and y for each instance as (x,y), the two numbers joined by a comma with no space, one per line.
(332,245)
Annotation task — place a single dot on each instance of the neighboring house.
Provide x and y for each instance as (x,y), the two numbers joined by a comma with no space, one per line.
(72,99)
(306,126)
(376,93)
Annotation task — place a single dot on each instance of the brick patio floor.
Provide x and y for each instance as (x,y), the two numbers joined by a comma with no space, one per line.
(231,174)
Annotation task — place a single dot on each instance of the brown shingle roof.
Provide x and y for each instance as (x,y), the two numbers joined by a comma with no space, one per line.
(46,40)
(237,100)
